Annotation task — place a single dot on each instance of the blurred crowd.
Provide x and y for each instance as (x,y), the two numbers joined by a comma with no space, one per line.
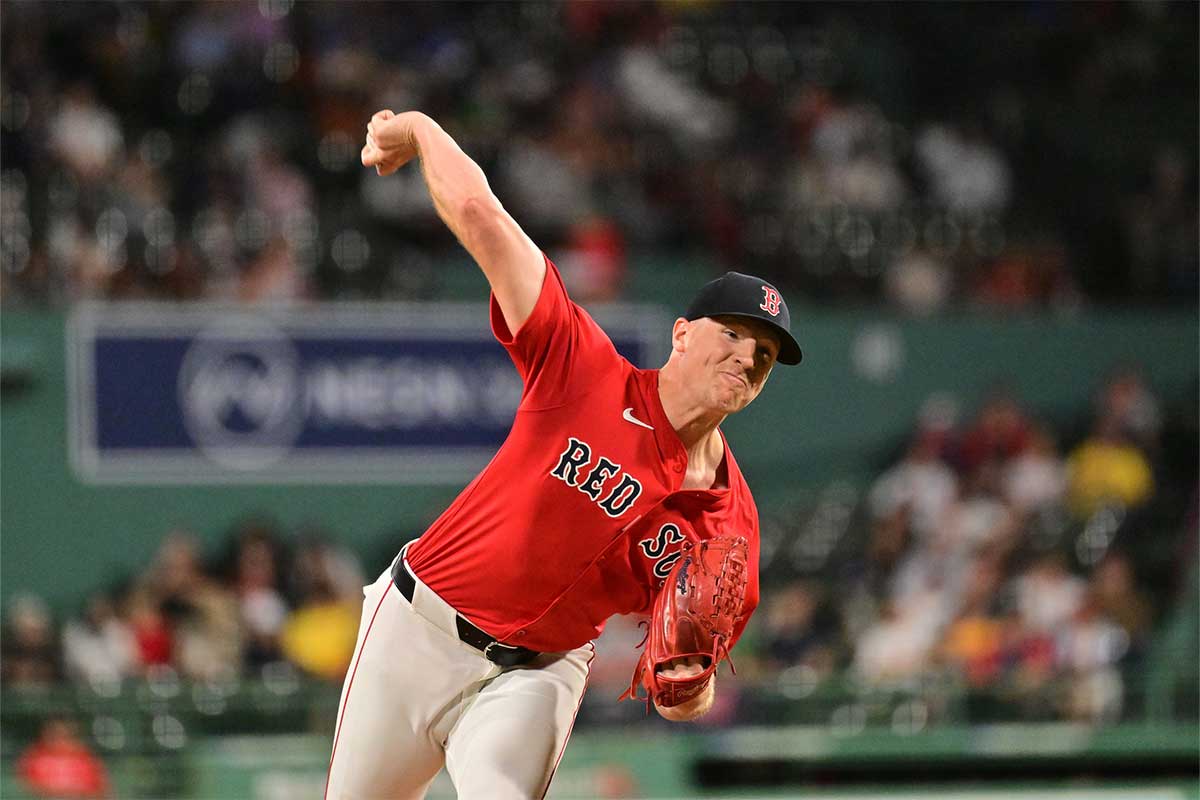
(1004,156)
(988,562)
(1031,578)
(260,605)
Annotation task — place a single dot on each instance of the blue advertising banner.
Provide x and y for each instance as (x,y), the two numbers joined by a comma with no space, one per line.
(333,393)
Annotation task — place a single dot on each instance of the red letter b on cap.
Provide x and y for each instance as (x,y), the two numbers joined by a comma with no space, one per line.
(771,301)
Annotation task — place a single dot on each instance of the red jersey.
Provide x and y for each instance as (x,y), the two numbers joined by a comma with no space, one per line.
(580,514)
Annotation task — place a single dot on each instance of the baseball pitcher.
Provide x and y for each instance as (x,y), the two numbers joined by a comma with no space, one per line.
(614,493)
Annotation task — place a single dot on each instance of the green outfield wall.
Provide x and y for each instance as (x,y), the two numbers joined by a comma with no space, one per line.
(864,377)
(1012,759)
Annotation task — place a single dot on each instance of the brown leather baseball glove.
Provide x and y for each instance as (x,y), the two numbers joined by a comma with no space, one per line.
(693,617)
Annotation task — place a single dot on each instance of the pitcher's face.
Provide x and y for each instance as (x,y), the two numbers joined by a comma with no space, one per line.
(726,359)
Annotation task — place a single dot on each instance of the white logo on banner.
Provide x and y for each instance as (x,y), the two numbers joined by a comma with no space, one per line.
(239,389)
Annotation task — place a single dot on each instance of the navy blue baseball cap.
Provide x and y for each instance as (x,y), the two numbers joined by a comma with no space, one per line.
(735,294)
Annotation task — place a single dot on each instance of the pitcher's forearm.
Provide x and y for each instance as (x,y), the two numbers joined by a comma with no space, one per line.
(453,178)
(512,263)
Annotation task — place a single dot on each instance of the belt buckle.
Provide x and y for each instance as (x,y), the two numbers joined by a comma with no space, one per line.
(506,650)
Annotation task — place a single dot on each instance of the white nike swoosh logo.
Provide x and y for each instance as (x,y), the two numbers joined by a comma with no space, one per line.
(629,417)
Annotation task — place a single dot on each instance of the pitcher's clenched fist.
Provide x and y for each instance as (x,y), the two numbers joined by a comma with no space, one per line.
(391,140)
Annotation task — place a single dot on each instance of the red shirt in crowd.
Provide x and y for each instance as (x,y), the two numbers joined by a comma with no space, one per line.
(62,766)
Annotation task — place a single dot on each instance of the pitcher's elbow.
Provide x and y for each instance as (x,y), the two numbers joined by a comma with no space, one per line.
(479,211)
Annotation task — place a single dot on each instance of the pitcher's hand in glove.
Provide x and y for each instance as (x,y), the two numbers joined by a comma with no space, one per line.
(692,621)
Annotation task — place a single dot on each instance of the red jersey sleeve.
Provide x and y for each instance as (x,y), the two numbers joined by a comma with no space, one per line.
(560,351)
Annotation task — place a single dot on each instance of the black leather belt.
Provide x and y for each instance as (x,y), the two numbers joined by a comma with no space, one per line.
(506,655)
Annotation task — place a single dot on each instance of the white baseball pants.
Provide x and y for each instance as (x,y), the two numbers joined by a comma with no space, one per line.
(416,698)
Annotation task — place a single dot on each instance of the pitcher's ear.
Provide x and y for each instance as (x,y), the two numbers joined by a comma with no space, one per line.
(679,332)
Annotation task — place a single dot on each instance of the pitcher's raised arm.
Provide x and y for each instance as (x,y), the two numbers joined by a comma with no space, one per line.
(513,264)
